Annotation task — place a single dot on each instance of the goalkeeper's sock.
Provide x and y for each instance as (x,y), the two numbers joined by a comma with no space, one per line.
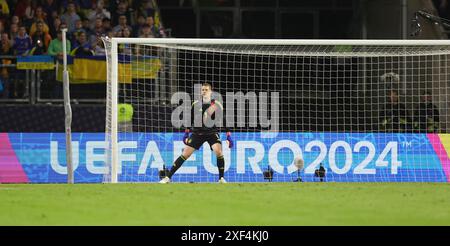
(177,164)
(221,165)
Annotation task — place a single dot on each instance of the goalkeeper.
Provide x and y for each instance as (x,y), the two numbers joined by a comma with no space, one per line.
(203,133)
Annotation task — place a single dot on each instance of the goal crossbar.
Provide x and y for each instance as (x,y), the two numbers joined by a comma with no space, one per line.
(376,68)
(387,42)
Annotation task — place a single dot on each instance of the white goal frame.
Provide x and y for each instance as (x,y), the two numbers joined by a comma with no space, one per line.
(114,63)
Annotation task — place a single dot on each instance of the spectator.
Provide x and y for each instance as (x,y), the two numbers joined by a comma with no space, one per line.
(73,36)
(13,29)
(83,4)
(29,14)
(22,7)
(126,32)
(4,7)
(125,48)
(395,117)
(122,24)
(70,17)
(39,17)
(22,46)
(38,48)
(5,45)
(5,50)
(4,11)
(137,29)
(83,47)
(41,39)
(106,25)
(98,30)
(146,8)
(156,31)
(78,27)
(15,20)
(22,43)
(150,21)
(50,8)
(427,115)
(56,46)
(147,32)
(110,34)
(122,9)
(54,28)
(99,48)
(2,26)
(39,14)
(86,25)
(98,11)
(13,32)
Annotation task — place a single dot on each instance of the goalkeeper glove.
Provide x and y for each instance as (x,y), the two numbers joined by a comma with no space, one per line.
(229,141)
(186,136)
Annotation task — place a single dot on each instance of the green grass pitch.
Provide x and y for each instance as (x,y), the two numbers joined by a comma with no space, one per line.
(226,204)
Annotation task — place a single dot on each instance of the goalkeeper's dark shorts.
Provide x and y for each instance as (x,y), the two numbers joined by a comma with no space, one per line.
(196,140)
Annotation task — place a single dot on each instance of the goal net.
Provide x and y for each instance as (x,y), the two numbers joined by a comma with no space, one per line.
(364,110)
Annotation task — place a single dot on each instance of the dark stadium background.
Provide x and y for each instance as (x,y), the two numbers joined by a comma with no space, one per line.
(41,110)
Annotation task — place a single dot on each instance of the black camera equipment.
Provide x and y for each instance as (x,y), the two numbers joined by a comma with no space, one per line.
(268,174)
(320,173)
(163,172)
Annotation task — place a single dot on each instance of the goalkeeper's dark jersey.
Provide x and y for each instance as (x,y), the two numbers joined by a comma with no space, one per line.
(203,129)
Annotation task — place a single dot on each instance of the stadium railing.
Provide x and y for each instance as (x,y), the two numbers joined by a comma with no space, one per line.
(41,85)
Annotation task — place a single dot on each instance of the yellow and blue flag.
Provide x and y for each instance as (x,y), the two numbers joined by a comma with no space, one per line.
(93,69)
(40,62)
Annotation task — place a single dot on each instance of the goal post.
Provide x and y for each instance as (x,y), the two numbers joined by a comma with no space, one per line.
(67,112)
(365,110)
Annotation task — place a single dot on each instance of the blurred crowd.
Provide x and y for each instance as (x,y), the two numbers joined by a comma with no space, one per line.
(32,27)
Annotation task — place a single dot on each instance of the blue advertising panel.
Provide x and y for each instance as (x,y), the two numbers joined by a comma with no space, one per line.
(346,157)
